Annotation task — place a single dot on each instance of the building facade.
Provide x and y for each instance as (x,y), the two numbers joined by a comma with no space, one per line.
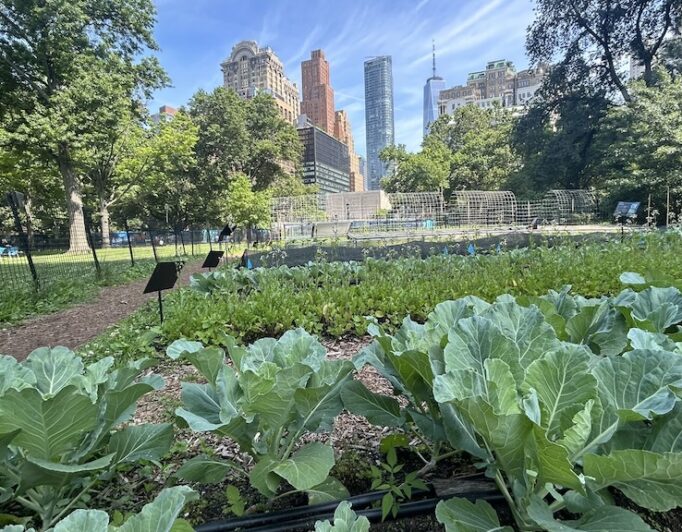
(434,85)
(379,118)
(499,84)
(344,133)
(325,160)
(165,112)
(251,69)
(318,96)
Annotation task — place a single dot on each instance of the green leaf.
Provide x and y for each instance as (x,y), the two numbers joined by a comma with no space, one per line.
(208,361)
(461,515)
(600,327)
(378,409)
(632,278)
(14,375)
(603,519)
(329,490)
(160,514)
(655,309)
(204,469)
(527,330)
(552,462)
(263,478)
(319,406)
(37,472)
(49,428)
(308,467)
(345,520)
(651,480)
(182,347)
(387,504)
(84,521)
(141,442)
(563,384)
(638,384)
(5,440)
(53,368)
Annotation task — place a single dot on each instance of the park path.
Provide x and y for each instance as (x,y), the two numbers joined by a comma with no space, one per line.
(77,325)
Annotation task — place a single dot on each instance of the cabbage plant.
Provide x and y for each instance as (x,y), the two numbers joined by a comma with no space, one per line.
(555,424)
(266,397)
(61,428)
(160,515)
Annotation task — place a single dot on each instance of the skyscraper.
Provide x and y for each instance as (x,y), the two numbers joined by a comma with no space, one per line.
(432,89)
(378,115)
(318,96)
(251,69)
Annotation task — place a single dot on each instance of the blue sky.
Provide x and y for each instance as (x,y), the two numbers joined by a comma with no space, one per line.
(196,35)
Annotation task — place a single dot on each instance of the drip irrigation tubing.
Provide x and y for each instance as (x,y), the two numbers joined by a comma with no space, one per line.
(302,516)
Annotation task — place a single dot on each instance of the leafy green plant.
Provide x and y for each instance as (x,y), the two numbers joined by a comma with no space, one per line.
(555,424)
(160,515)
(61,428)
(332,298)
(398,486)
(272,394)
(345,520)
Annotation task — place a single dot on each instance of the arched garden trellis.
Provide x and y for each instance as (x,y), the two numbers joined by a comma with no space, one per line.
(416,205)
(482,208)
(572,206)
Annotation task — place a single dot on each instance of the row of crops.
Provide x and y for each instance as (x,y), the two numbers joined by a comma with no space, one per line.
(566,406)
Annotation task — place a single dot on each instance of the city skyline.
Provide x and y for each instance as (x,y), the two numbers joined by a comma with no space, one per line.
(195,39)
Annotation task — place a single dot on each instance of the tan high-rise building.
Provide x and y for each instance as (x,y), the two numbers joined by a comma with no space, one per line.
(251,69)
(344,133)
(318,96)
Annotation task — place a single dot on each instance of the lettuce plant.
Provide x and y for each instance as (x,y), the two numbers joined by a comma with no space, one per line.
(266,399)
(61,428)
(160,515)
(555,424)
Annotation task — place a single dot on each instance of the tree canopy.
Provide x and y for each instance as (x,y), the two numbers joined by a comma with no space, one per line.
(55,57)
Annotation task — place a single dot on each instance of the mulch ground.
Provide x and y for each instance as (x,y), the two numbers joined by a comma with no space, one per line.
(77,325)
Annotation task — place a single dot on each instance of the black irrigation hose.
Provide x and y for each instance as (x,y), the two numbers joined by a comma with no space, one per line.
(358,501)
(410,509)
(303,515)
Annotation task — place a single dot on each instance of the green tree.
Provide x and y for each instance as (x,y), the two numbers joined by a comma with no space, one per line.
(50,50)
(424,171)
(639,147)
(169,195)
(554,137)
(247,207)
(41,185)
(607,30)
(108,156)
(246,136)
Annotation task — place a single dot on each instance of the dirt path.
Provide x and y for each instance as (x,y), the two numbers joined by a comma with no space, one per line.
(77,325)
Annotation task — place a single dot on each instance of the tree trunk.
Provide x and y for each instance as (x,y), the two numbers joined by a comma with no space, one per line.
(104,223)
(78,241)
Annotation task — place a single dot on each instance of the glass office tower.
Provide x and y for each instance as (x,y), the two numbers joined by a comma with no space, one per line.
(378,115)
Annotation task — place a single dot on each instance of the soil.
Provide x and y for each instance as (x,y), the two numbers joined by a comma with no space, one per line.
(77,325)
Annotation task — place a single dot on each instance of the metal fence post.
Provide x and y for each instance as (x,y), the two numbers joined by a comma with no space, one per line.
(91,241)
(208,237)
(16,200)
(151,237)
(191,238)
(130,244)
